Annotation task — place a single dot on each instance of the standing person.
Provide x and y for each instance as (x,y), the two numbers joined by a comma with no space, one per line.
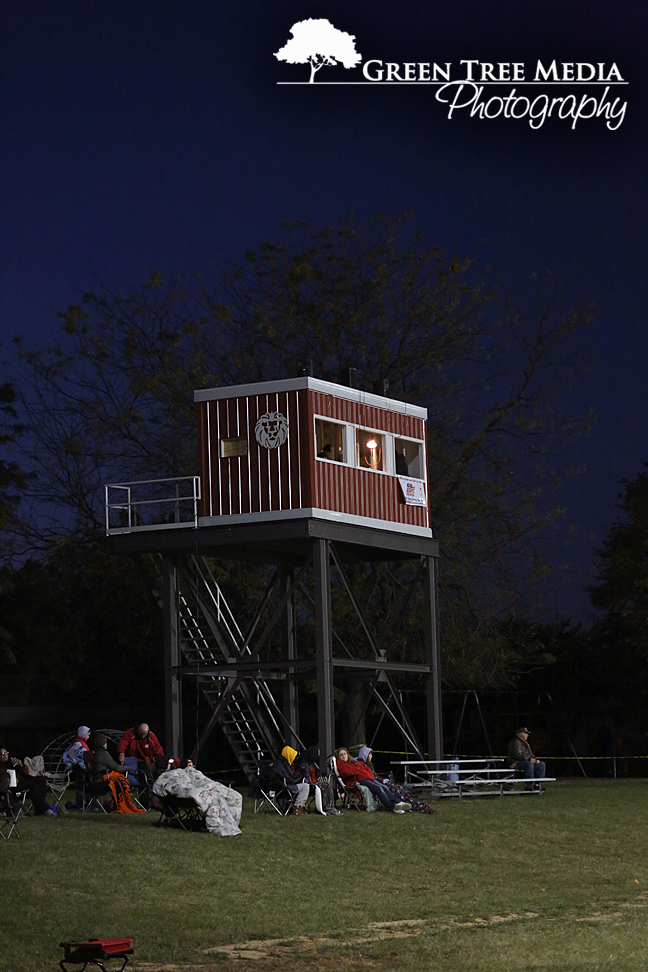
(74,759)
(145,746)
(520,756)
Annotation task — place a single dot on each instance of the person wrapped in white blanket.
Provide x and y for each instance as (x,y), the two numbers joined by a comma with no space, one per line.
(221,805)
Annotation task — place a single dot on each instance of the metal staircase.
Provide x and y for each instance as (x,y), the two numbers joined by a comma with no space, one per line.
(246,711)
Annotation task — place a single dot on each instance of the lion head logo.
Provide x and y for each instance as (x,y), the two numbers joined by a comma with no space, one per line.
(271,430)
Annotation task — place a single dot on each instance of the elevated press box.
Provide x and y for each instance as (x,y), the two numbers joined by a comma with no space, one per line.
(308,448)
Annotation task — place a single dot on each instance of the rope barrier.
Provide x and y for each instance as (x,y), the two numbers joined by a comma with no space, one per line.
(395,752)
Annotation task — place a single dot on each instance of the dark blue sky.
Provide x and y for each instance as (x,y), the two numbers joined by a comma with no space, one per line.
(140,134)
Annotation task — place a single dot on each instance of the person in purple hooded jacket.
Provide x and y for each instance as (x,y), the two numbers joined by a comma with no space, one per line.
(365,755)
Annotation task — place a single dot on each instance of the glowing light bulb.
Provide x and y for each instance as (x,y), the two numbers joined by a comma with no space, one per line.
(372,458)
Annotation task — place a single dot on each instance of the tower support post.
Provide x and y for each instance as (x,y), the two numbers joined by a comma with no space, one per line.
(172,660)
(290,694)
(323,648)
(433,659)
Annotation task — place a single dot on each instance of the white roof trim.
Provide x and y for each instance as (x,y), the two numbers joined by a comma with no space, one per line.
(315,384)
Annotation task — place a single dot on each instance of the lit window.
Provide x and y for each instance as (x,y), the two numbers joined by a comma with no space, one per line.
(408,458)
(329,440)
(370,448)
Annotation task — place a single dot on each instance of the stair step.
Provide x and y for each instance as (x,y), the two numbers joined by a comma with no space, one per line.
(246,717)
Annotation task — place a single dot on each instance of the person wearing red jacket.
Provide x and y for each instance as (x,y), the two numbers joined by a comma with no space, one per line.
(353,771)
(143,744)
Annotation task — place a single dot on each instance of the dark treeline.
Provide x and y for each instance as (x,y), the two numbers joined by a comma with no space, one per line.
(112,400)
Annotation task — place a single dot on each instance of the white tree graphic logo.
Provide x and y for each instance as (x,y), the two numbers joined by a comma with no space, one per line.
(319,43)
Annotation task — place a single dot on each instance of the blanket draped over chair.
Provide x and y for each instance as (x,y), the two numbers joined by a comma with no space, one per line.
(221,805)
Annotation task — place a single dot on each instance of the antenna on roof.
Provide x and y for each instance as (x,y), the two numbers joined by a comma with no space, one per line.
(349,377)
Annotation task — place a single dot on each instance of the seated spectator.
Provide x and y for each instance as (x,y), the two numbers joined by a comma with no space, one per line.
(308,765)
(292,779)
(6,779)
(145,746)
(402,469)
(353,771)
(365,755)
(103,765)
(73,759)
(102,761)
(36,786)
(520,757)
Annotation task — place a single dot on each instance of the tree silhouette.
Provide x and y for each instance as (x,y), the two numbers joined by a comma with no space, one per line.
(319,43)
(621,590)
(112,401)
(12,479)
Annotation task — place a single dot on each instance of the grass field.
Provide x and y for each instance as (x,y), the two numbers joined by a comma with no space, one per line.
(558,882)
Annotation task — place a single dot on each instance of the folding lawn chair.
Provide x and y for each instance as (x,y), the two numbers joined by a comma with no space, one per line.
(22,796)
(267,787)
(58,775)
(179,810)
(140,785)
(349,793)
(96,951)
(58,784)
(93,790)
(10,811)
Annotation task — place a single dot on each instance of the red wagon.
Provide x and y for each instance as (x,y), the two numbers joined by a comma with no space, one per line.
(96,951)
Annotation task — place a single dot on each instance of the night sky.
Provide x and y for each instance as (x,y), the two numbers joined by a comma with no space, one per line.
(140,135)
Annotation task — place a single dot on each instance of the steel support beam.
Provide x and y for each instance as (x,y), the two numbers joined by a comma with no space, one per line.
(433,659)
(235,668)
(290,693)
(172,678)
(323,648)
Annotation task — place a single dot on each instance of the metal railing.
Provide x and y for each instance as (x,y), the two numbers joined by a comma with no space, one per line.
(143,505)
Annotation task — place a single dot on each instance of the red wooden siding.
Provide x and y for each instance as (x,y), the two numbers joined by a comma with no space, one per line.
(347,489)
(361,492)
(290,477)
(266,479)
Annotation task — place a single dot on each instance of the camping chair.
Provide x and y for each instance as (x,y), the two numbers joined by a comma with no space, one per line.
(10,810)
(55,786)
(21,795)
(267,787)
(139,783)
(96,952)
(93,790)
(58,784)
(183,811)
(349,793)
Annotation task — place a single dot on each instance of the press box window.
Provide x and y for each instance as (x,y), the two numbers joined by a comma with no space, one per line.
(408,458)
(234,447)
(370,450)
(329,440)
